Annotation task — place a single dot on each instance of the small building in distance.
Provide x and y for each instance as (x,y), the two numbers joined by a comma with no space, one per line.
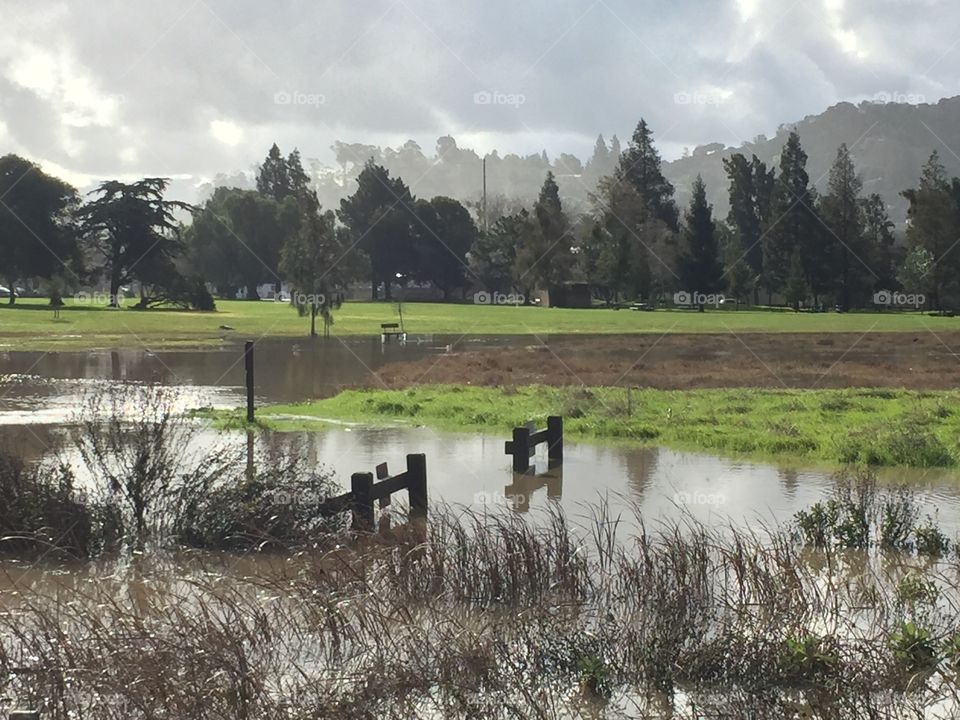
(566,295)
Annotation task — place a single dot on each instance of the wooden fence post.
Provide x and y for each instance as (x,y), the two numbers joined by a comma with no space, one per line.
(521,449)
(248,366)
(555,439)
(417,484)
(361,486)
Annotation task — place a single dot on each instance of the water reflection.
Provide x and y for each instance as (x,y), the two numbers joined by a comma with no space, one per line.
(473,471)
(287,370)
(518,494)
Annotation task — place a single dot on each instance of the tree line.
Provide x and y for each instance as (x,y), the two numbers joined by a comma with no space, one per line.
(781,241)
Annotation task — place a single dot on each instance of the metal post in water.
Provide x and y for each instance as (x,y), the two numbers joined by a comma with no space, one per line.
(248,366)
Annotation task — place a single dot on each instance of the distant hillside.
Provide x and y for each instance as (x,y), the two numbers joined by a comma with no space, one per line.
(889,142)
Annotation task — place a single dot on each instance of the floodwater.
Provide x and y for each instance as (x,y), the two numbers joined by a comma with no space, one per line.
(41,392)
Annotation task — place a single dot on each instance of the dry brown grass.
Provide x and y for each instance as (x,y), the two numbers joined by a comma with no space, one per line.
(919,361)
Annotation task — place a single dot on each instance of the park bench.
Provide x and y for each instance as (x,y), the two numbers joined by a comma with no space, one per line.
(389,330)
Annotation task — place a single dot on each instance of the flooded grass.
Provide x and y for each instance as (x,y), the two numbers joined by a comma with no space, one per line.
(492,616)
(851,426)
(217,589)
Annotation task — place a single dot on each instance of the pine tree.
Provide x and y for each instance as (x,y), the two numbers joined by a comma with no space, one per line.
(933,226)
(792,223)
(545,259)
(639,165)
(751,189)
(700,266)
(299,184)
(615,149)
(600,160)
(841,211)
(273,176)
(879,242)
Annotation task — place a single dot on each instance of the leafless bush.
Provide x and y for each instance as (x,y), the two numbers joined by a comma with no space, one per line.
(489,616)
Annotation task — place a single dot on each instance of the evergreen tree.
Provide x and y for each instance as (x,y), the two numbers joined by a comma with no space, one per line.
(600,160)
(933,226)
(493,255)
(133,229)
(310,261)
(639,165)
(273,176)
(792,223)
(842,214)
(701,270)
(544,260)
(380,217)
(299,183)
(615,149)
(751,189)
(880,243)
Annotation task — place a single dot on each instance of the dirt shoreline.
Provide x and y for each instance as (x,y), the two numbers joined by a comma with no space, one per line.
(915,361)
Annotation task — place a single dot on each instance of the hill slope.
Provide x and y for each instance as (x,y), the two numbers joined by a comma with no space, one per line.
(889,143)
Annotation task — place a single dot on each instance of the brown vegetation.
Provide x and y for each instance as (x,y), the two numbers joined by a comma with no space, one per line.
(917,361)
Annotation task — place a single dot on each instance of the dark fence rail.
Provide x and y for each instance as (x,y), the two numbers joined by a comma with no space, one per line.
(364,492)
(525,441)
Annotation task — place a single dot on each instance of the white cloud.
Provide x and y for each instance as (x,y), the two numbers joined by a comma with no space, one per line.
(226,131)
(120,87)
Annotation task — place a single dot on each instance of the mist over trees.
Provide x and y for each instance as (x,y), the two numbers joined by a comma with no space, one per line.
(779,240)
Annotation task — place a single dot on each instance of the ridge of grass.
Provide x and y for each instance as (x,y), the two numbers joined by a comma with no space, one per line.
(866,426)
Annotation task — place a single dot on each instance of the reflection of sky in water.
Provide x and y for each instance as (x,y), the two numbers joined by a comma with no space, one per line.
(474,471)
(39,391)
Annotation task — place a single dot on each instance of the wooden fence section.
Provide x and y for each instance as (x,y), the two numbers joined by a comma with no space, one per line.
(364,492)
(525,441)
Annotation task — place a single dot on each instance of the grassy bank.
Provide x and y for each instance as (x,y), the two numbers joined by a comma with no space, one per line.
(869,426)
(30,323)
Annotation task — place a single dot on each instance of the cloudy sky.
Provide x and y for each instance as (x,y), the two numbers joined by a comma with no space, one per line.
(189,88)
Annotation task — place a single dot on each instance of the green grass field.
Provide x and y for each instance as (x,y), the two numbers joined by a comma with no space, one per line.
(834,427)
(30,323)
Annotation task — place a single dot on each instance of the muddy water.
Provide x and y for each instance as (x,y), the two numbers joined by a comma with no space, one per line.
(46,387)
(40,392)
(473,471)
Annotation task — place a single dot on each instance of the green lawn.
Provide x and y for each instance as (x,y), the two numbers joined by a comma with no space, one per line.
(30,323)
(835,427)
